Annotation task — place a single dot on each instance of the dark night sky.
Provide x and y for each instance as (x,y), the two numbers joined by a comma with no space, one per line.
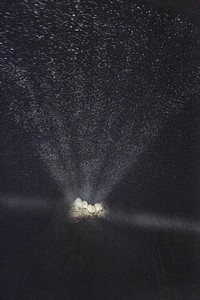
(99,100)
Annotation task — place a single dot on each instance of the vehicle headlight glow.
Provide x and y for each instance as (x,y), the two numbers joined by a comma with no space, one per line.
(82,210)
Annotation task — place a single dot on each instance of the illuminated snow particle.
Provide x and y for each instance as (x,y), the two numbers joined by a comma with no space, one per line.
(90,208)
(78,202)
(82,210)
(84,204)
(98,207)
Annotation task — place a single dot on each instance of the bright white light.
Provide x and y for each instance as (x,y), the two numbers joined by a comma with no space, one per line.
(81,209)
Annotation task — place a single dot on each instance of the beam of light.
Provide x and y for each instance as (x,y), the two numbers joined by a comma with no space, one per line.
(62,173)
(156,222)
(54,146)
(97,169)
(25,203)
(89,146)
(134,142)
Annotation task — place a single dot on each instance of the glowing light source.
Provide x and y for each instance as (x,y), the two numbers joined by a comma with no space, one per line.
(82,210)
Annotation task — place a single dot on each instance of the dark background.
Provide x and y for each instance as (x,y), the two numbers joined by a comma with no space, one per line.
(98,100)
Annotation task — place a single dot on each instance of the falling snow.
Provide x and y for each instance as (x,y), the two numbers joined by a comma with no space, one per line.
(94,84)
